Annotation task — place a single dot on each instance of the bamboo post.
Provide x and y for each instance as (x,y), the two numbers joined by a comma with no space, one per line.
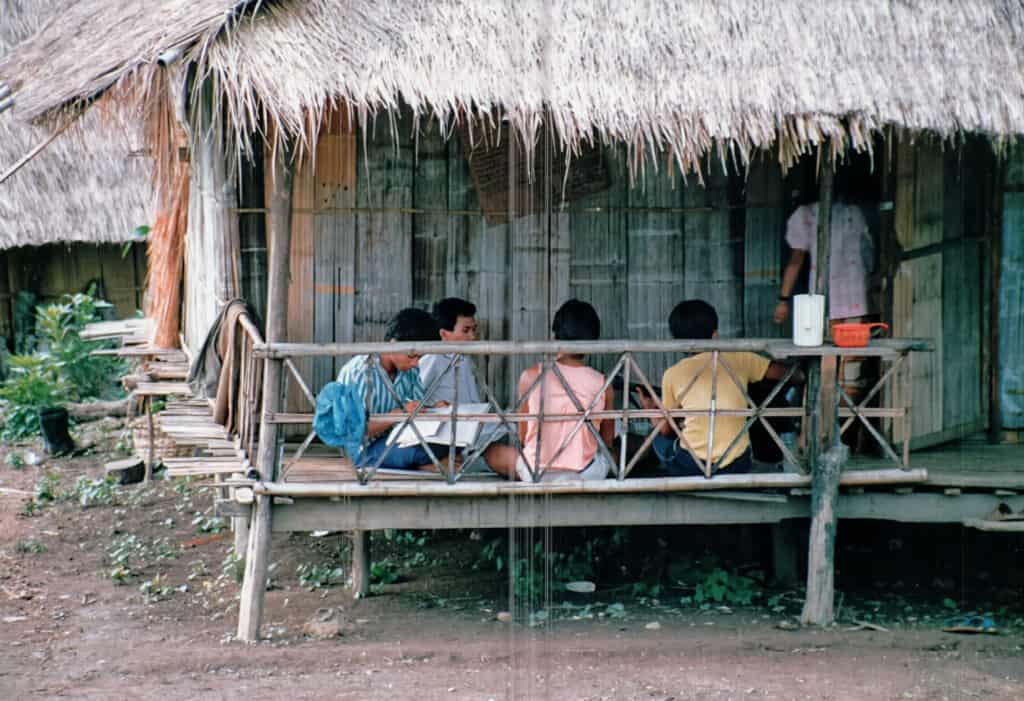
(818,606)
(151,433)
(360,563)
(826,456)
(257,558)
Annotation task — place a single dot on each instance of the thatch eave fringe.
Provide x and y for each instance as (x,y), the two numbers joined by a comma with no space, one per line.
(679,77)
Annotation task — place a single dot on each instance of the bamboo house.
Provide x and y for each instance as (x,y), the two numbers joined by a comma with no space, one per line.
(66,214)
(347,160)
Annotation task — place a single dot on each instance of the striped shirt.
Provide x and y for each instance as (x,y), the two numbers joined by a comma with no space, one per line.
(407,385)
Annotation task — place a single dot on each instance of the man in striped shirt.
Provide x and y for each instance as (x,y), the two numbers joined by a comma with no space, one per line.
(408,325)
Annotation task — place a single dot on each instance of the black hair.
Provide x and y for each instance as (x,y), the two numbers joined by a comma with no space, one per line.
(576,321)
(411,325)
(449,309)
(693,319)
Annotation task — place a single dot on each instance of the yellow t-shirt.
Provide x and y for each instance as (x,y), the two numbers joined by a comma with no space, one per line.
(748,367)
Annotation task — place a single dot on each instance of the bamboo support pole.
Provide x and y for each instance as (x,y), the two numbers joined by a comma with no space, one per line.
(827,456)
(777,348)
(257,558)
(494,488)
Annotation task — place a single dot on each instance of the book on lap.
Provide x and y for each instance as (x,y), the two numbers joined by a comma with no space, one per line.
(439,430)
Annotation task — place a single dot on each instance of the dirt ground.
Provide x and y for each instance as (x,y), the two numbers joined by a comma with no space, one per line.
(69,629)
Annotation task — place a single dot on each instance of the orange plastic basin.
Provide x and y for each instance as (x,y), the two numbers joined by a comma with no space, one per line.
(854,335)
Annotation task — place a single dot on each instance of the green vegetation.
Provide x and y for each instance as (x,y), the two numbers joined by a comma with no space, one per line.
(62,367)
(30,545)
(129,554)
(319,576)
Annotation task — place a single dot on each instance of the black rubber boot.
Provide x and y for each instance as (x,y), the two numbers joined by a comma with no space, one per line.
(54,422)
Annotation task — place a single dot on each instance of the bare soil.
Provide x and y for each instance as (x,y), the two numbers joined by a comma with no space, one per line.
(68,630)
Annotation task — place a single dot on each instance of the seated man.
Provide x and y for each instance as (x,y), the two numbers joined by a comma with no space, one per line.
(407,325)
(580,457)
(696,319)
(456,319)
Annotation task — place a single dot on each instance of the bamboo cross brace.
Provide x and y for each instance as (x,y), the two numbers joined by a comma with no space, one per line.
(759,412)
(882,443)
(874,390)
(665,413)
(584,420)
(373,363)
(299,381)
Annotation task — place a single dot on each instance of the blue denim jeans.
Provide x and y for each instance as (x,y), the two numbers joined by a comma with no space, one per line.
(400,458)
(676,461)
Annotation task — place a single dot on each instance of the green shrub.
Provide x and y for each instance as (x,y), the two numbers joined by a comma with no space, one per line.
(59,326)
(34,383)
(63,369)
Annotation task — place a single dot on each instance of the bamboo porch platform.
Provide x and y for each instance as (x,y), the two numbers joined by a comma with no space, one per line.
(321,491)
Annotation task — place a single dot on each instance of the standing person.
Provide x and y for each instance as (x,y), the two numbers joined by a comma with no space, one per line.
(851,260)
(563,454)
(851,265)
(456,321)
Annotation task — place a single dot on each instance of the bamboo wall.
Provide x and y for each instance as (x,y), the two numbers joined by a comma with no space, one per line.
(401,224)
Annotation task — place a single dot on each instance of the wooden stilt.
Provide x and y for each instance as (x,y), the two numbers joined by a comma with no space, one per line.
(257,557)
(360,563)
(151,432)
(786,553)
(826,454)
(821,552)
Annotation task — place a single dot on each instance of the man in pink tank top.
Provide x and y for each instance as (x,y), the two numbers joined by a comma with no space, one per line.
(558,449)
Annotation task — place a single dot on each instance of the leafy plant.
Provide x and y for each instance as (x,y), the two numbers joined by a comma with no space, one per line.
(46,488)
(59,326)
(384,572)
(130,553)
(157,587)
(233,566)
(34,383)
(30,546)
(720,587)
(15,461)
(93,492)
(318,576)
(209,524)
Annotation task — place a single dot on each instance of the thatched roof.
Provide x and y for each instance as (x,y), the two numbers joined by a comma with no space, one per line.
(82,187)
(665,75)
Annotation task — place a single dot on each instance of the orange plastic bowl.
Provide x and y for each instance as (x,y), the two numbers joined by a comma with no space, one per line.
(854,335)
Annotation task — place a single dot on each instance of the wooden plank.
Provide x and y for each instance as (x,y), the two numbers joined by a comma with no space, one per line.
(303,299)
(334,234)
(478,268)
(599,252)
(962,314)
(373,513)
(929,188)
(430,231)
(529,235)
(711,254)
(656,265)
(384,236)
(762,248)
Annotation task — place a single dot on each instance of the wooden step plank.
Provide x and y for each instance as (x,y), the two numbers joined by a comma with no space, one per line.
(149,389)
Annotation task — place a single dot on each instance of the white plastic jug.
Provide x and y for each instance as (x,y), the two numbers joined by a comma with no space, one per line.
(808,320)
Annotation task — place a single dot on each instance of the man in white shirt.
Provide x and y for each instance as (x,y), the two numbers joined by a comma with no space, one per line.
(456,319)
(850,264)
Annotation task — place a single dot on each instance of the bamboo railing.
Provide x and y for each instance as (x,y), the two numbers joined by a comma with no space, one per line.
(891,353)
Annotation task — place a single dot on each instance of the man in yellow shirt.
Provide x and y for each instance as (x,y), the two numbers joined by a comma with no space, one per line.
(688,385)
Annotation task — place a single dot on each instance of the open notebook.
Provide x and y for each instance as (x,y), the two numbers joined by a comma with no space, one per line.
(440,431)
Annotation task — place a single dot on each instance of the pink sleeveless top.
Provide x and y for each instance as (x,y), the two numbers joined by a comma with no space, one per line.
(586,383)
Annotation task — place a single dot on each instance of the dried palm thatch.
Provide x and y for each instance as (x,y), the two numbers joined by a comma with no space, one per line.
(685,77)
(166,253)
(82,187)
